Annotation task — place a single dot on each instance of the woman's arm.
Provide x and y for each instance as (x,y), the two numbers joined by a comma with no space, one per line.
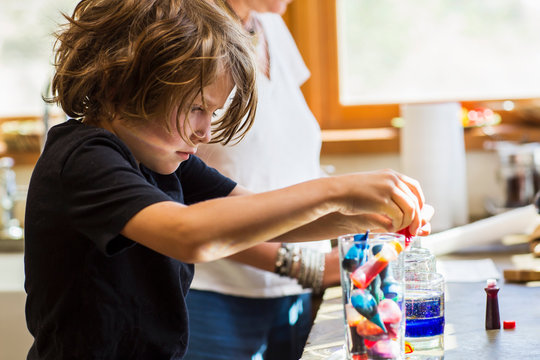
(264,256)
(313,210)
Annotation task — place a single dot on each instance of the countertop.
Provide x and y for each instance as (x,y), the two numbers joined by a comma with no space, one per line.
(465,334)
(15,340)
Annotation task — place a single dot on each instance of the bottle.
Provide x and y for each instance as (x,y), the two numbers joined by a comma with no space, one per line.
(418,259)
(493,320)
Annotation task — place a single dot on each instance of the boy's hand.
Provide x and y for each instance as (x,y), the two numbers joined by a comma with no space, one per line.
(425,229)
(384,193)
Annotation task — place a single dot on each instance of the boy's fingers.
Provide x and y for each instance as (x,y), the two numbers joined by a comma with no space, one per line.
(414,186)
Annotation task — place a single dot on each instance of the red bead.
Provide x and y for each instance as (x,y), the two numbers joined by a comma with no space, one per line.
(509,324)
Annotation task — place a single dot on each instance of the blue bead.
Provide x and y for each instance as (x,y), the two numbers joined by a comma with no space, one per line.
(364,303)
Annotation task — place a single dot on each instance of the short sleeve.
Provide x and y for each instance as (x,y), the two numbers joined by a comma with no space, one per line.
(103,190)
(201,182)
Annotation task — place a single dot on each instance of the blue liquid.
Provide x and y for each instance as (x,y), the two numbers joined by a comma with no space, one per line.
(425,314)
(424,327)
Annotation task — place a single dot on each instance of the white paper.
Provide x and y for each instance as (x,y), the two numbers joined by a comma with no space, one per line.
(468,270)
(433,152)
(482,232)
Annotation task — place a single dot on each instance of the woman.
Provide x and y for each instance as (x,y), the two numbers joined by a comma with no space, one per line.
(239,307)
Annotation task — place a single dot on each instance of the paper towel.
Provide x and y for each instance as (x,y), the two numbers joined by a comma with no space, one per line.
(482,232)
(433,152)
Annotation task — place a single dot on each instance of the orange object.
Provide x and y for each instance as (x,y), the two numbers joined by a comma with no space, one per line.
(362,276)
(507,325)
(366,328)
(408,347)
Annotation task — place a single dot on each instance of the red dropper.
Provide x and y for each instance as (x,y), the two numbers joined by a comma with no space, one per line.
(408,236)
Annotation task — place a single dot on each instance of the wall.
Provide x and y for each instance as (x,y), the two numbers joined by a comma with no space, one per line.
(481,173)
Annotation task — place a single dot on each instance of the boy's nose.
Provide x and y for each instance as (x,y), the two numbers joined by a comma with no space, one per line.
(202,135)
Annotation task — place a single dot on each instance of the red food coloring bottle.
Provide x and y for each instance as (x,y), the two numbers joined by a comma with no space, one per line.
(493,320)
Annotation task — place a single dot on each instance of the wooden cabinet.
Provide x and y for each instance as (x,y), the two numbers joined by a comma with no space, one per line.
(20,138)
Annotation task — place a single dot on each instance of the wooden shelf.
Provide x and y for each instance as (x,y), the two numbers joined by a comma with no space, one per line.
(360,141)
(22,158)
(379,140)
(25,156)
(386,140)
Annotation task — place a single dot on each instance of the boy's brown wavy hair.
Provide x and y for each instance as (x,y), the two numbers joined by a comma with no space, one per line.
(146,60)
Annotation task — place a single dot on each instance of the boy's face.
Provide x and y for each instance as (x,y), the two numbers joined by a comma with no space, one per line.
(162,151)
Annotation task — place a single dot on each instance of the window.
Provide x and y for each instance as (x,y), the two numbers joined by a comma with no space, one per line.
(366,56)
(26,43)
(392,51)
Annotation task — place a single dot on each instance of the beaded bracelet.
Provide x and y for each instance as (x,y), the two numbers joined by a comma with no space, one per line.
(281,260)
(318,282)
(310,271)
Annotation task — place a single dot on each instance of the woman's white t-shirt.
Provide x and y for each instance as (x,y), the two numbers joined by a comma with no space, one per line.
(282,148)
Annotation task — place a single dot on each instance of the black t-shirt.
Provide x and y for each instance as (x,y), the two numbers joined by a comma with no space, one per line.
(92,293)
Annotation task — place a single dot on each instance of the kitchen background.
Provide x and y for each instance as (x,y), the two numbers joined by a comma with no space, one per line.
(366,58)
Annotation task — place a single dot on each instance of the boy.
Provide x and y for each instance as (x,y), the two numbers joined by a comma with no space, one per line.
(119,206)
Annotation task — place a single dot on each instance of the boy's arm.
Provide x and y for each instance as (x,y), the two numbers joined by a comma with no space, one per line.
(263,256)
(313,210)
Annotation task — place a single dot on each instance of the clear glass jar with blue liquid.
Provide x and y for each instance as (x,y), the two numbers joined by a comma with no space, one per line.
(424,308)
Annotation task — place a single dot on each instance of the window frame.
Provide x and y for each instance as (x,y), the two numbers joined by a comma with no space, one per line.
(313,25)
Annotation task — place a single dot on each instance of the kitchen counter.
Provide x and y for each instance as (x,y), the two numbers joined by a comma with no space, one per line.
(15,340)
(465,334)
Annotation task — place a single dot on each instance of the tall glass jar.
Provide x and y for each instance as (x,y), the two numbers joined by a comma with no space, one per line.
(372,280)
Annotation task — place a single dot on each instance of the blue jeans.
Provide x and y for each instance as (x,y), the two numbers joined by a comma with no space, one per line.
(237,328)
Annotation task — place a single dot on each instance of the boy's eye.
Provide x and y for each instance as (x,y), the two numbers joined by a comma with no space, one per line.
(199,108)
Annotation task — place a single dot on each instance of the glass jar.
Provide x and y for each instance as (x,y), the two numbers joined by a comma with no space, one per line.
(373,295)
(418,259)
